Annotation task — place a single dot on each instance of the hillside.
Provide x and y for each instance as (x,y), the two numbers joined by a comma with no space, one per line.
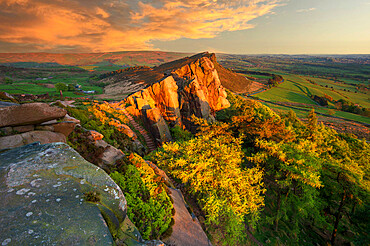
(121,81)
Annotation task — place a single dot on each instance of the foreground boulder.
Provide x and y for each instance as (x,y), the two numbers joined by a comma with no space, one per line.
(43,137)
(49,195)
(34,122)
(28,114)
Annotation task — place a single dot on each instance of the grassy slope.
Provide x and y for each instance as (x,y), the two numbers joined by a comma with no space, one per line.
(27,85)
(298,89)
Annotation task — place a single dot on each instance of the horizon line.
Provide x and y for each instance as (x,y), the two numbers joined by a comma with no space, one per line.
(182,52)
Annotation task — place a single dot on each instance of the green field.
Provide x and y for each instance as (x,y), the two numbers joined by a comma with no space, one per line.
(36,89)
(302,113)
(295,85)
(299,89)
(259,76)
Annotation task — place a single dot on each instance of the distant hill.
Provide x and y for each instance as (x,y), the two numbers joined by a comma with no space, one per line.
(129,58)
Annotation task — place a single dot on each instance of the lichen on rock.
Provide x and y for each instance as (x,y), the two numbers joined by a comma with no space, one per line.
(42,200)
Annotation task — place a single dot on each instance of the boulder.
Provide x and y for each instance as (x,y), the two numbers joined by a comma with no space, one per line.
(204,94)
(70,118)
(45,128)
(12,141)
(6,97)
(49,122)
(110,154)
(21,129)
(64,127)
(43,137)
(7,104)
(31,137)
(44,198)
(28,114)
(166,99)
(50,195)
(65,103)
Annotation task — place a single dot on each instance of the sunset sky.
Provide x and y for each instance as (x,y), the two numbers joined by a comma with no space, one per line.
(236,26)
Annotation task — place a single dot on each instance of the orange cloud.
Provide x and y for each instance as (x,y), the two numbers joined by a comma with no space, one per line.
(111,25)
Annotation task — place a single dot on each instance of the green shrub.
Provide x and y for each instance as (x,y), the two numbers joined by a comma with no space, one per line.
(148,205)
(180,134)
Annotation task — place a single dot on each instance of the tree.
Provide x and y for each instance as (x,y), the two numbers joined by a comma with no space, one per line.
(71,87)
(345,176)
(60,87)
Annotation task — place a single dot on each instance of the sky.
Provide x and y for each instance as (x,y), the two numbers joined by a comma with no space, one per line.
(225,26)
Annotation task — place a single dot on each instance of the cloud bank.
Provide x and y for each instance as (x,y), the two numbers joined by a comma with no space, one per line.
(113,25)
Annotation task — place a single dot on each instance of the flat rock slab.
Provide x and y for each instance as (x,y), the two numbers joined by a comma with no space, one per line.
(186,231)
(42,200)
(30,137)
(29,114)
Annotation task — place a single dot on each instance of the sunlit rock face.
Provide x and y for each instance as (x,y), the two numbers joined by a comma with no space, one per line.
(189,89)
(43,198)
(202,94)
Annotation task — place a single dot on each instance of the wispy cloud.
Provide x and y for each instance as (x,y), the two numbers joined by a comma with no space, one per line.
(111,25)
(305,10)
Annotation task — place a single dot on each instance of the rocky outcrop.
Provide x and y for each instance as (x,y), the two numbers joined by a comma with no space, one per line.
(192,88)
(28,114)
(93,148)
(43,137)
(34,122)
(110,154)
(49,195)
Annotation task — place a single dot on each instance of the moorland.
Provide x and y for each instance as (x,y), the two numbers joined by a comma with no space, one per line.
(240,136)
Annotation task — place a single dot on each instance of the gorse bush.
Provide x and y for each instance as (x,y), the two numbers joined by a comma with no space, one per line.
(314,177)
(211,167)
(148,205)
(104,120)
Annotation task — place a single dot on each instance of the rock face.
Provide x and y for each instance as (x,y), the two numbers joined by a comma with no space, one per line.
(28,114)
(50,195)
(193,88)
